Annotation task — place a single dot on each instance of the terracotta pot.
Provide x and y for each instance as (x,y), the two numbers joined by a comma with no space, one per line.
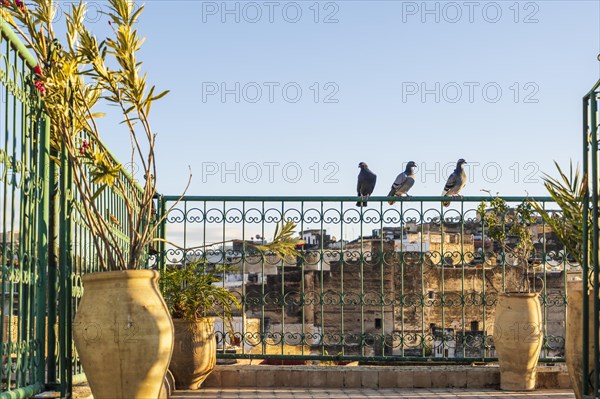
(195,352)
(518,339)
(574,335)
(123,334)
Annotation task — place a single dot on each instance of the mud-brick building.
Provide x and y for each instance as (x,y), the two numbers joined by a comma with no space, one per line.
(381,301)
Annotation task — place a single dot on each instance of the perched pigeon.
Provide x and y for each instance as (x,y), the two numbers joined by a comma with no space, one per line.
(404,181)
(366,184)
(456,181)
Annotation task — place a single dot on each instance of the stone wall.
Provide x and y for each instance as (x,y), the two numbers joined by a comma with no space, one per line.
(401,301)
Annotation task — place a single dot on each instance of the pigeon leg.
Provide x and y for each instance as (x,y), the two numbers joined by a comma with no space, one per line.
(360,201)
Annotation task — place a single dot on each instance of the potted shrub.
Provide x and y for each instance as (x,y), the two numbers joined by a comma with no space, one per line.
(518,318)
(569,193)
(122,330)
(194,297)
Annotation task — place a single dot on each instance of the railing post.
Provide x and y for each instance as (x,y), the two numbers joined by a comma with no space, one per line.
(43,245)
(52,283)
(65,319)
(161,232)
(595,237)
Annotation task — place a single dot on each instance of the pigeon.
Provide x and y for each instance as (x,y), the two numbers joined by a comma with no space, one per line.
(404,181)
(366,184)
(456,181)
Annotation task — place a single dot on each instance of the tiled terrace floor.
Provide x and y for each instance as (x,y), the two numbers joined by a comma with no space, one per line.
(299,393)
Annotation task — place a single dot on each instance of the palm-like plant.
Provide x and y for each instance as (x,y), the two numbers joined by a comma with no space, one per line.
(569,193)
(191,292)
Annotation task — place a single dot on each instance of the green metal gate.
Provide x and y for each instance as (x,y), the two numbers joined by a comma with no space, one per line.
(591,269)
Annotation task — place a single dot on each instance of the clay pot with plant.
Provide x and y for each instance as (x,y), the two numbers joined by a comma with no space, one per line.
(569,193)
(195,297)
(518,333)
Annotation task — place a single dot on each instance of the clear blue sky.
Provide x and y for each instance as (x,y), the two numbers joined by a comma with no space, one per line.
(362,68)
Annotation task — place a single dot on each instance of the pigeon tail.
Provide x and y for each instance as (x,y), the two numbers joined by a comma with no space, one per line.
(361,204)
(446,203)
(391,194)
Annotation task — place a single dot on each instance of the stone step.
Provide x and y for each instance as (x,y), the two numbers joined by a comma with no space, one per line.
(375,377)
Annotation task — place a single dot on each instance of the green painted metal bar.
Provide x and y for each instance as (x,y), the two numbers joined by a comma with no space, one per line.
(320,249)
(381,264)
(471,199)
(222,255)
(462,273)
(585,244)
(64,273)
(595,237)
(422,287)
(23,52)
(162,233)
(263,334)
(595,215)
(342,294)
(23,392)
(282,295)
(442,287)
(43,219)
(53,273)
(244,293)
(402,296)
(362,282)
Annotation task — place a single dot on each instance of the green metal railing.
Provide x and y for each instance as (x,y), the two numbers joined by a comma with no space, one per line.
(412,281)
(591,267)
(23,217)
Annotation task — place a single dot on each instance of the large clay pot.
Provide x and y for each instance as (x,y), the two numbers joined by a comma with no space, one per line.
(518,339)
(574,335)
(123,334)
(195,352)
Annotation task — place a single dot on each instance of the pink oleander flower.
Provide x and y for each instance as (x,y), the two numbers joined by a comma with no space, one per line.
(38,70)
(21,5)
(40,86)
(84,146)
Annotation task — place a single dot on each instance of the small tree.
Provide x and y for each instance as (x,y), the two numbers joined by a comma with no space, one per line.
(510,228)
(73,77)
